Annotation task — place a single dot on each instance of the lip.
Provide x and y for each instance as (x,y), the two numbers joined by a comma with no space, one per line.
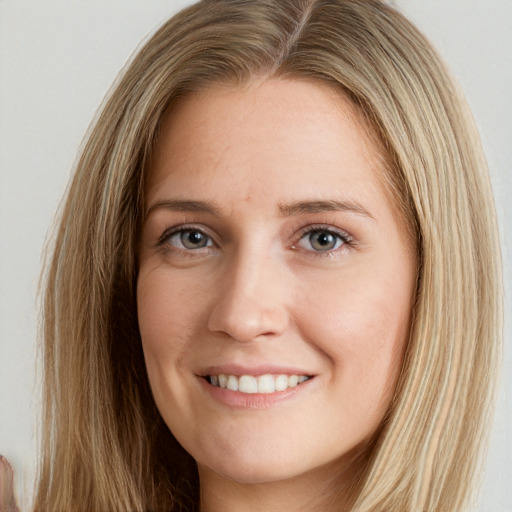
(238,400)
(253,370)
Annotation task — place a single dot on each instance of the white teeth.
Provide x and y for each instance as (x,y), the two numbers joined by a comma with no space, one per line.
(263,384)
(281,382)
(293,380)
(266,384)
(232,383)
(248,384)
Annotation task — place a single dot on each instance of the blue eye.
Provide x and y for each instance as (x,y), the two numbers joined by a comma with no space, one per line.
(322,240)
(190,239)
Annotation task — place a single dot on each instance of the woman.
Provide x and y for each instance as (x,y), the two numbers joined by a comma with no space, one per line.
(276,279)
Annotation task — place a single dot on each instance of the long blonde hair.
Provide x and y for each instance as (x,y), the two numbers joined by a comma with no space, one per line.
(105,446)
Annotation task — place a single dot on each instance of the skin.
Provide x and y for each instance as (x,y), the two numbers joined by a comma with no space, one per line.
(278,163)
(7,496)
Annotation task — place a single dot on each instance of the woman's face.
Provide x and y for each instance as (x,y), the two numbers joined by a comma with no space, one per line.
(276,281)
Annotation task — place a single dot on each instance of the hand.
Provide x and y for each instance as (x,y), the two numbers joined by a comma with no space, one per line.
(7,499)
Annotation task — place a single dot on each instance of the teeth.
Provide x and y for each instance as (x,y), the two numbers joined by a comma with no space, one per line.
(262,384)
(247,384)
(293,380)
(266,384)
(232,383)
(281,382)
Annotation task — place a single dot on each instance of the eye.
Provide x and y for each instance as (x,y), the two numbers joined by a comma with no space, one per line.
(323,240)
(189,239)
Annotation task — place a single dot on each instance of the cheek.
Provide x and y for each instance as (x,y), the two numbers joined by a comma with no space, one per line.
(167,317)
(163,323)
(166,310)
(361,323)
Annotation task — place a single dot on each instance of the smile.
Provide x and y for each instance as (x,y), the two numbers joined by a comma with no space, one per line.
(251,384)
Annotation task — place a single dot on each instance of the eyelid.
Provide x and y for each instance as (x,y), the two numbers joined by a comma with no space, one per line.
(172,230)
(348,240)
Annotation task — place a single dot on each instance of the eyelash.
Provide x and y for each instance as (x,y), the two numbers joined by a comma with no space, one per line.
(342,236)
(346,240)
(164,240)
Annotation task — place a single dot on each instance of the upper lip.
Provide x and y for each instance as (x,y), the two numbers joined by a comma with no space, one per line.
(254,370)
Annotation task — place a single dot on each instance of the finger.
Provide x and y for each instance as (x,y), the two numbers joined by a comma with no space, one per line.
(7,499)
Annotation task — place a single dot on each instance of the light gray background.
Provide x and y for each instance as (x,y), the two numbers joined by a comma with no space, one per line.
(58,59)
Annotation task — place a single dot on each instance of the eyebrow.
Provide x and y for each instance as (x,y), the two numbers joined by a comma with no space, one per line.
(181,205)
(332,205)
(286,210)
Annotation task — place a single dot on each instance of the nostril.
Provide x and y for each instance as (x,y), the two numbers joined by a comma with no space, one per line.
(247,320)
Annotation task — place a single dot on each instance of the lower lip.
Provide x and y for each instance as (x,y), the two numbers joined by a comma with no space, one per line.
(239,400)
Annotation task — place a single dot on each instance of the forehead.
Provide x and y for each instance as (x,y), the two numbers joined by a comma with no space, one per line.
(271,125)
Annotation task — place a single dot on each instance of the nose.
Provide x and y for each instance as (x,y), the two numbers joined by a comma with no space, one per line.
(251,302)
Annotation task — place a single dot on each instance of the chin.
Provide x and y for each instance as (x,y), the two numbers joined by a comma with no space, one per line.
(255,466)
(254,473)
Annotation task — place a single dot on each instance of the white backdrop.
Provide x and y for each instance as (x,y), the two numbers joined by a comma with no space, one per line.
(58,59)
